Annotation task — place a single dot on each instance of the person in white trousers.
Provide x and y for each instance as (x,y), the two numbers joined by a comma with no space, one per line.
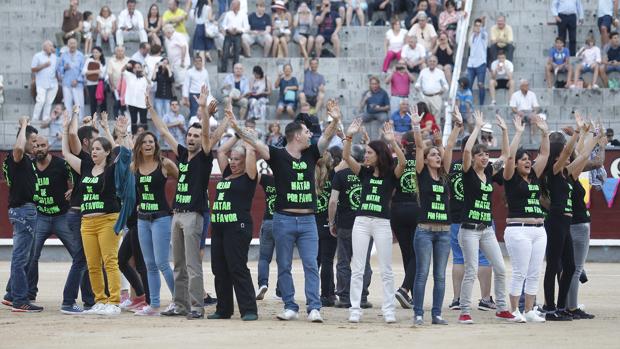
(70,71)
(378,177)
(44,69)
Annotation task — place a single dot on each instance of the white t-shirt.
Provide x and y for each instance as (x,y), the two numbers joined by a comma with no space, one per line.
(503,70)
(106,24)
(591,55)
(395,41)
(413,54)
(524,103)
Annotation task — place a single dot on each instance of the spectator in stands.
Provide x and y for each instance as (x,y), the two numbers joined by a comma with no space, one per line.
(70,71)
(340,6)
(590,56)
(260,31)
(153,24)
(130,25)
(234,25)
(486,136)
(43,67)
(138,86)
(106,27)
(94,75)
(178,53)
(313,91)
(163,79)
(424,32)
(376,103)
(87,30)
(53,121)
(330,23)
(195,78)
(274,135)
(289,87)
(414,55)
(400,81)
(150,62)
(611,142)
(176,16)
(501,39)
(175,121)
(206,35)
(524,103)
(428,122)
(445,55)
(258,96)
(401,118)
(558,61)
(115,68)
(465,102)
(422,8)
(282,29)
(394,42)
(449,19)
(376,6)
(611,62)
(434,10)
(357,6)
(143,51)
(71,25)
(432,84)
(606,13)
(235,87)
(477,61)
(303,22)
(501,75)
(567,14)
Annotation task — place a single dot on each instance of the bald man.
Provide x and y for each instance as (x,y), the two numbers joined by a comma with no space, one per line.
(44,69)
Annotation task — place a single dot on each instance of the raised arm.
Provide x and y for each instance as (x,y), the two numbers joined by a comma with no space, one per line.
(388,134)
(224,150)
(599,160)
(577,165)
(71,159)
(479,121)
(251,138)
(205,114)
(456,130)
(20,143)
(250,161)
(499,163)
(160,125)
(348,144)
(171,169)
(124,138)
(74,140)
(543,154)
(103,122)
(419,142)
(333,110)
(509,168)
(560,163)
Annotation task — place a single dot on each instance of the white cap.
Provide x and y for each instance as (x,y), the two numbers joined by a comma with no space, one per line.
(487,128)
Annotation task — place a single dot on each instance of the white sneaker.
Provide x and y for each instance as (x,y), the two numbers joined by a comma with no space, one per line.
(171,306)
(126,303)
(389,318)
(418,320)
(288,314)
(315,316)
(147,311)
(518,317)
(260,295)
(532,316)
(111,310)
(95,309)
(354,316)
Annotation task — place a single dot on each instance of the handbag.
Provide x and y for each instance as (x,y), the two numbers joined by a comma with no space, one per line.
(290,96)
(100,92)
(211,30)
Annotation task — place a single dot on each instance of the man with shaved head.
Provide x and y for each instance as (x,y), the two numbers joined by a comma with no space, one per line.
(44,69)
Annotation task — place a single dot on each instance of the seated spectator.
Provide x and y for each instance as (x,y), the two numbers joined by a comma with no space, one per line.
(235,87)
(449,19)
(376,105)
(376,7)
(590,56)
(611,62)
(153,24)
(304,27)
(178,53)
(130,25)
(260,31)
(432,84)
(358,7)
(330,23)
(143,52)
(136,91)
(195,78)
(501,39)
(106,27)
(340,7)
(69,68)
(465,103)
(422,8)
(258,96)
(164,80)
(558,61)
(445,56)
(175,122)
(54,121)
(428,122)
(234,24)
(606,14)
(401,118)
(313,91)
(71,25)
(88,30)
(176,16)
(477,61)
(400,81)
(414,55)
(274,135)
(486,136)
(394,42)
(434,10)
(501,75)
(282,28)
(403,8)
(288,85)
(424,32)
(524,103)
(94,75)
(611,142)
(152,59)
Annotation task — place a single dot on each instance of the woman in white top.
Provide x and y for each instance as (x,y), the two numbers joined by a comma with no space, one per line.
(94,72)
(394,42)
(281,26)
(206,29)
(106,27)
(137,87)
(303,23)
(258,95)
(590,56)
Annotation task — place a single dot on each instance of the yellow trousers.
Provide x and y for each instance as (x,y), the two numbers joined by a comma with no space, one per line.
(101,243)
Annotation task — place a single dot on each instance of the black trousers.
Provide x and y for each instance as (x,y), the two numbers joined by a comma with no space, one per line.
(230,244)
(95,107)
(404,221)
(234,42)
(343,266)
(373,6)
(560,259)
(136,112)
(568,23)
(137,278)
(327,253)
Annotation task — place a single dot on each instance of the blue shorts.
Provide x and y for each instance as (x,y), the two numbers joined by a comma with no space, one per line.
(206,215)
(284,105)
(587,68)
(457,253)
(605,21)
(611,68)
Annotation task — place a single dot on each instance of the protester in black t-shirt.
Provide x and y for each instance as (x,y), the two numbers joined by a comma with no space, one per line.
(477,232)
(433,231)
(293,220)
(323,178)
(378,178)
(21,179)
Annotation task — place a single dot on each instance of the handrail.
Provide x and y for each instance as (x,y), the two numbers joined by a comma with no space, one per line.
(461,38)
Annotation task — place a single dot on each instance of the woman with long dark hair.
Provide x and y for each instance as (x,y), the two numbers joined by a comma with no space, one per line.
(154,215)
(378,177)
(432,235)
(94,72)
(201,43)
(153,23)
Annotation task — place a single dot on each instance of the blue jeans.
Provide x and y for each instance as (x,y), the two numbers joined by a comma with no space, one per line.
(425,244)
(45,227)
(478,72)
(155,245)
(74,222)
(457,253)
(267,246)
(223,6)
(24,220)
(289,231)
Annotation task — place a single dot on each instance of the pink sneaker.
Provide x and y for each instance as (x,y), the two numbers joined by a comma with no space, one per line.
(147,311)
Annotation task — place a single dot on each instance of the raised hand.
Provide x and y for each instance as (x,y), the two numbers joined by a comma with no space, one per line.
(388,132)
(76,109)
(87,121)
(365,137)
(229,117)
(95,119)
(500,122)
(202,99)
(437,138)
(518,121)
(23,121)
(354,127)
(569,130)
(103,120)
(415,117)
(458,118)
(541,124)
(478,118)
(147,101)
(122,122)
(212,109)
(66,120)
(579,120)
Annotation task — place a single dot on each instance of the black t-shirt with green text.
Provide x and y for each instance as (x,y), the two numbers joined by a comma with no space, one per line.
(233,199)
(269,187)
(407,185)
(457,194)
(152,191)
(523,196)
(560,192)
(580,210)
(478,193)
(21,178)
(434,199)
(76,195)
(294,178)
(193,183)
(98,192)
(322,200)
(349,193)
(376,193)
(52,186)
